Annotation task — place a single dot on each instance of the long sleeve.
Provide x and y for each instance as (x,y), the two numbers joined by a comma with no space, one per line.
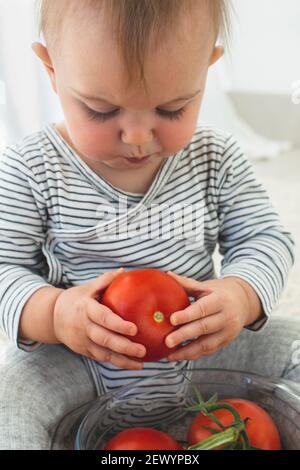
(254,244)
(23,268)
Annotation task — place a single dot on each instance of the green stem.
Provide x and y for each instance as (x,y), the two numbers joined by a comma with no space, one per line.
(230,436)
(208,408)
(238,423)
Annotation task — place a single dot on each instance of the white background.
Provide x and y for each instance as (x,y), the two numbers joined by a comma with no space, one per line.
(263,58)
(265,49)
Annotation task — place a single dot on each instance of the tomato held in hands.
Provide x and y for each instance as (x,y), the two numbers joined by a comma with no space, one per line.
(261,429)
(147,297)
(142,439)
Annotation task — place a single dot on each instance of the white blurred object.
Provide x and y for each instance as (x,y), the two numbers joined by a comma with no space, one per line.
(218,110)
(264,46)
(3,136)
(30,101)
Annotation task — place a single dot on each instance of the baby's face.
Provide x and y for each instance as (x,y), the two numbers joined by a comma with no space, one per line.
(104,121)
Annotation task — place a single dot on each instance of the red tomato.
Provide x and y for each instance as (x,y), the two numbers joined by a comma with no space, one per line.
(142,439)
(261,429)
(147,297)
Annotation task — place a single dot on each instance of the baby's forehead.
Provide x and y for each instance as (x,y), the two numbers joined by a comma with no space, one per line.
(94,51)
(59,16)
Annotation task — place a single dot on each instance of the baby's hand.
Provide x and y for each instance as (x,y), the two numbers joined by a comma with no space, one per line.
(92,329)
(222,309)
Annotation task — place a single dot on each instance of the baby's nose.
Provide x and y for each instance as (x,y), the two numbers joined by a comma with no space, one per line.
(137,136)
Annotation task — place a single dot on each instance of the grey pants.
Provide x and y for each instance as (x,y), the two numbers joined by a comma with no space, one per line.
(38,388)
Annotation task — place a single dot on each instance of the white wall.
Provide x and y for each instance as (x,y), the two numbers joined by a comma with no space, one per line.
(265,57)
(265,47)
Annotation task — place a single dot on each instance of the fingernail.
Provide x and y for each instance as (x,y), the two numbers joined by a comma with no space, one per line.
(119,270)
(170,342)
(172,358)
(141,352)
(133,330)
(173,320)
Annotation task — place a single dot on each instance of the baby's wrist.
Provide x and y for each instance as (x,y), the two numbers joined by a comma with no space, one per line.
(255,310)
(37,319)
(54,323)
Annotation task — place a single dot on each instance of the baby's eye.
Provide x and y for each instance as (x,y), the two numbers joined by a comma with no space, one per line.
(172,114)
(96,115)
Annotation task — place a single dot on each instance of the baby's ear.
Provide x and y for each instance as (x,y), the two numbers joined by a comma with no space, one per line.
(216,54)
(42,52)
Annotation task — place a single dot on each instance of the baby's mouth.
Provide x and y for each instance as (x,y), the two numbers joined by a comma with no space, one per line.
(137,161)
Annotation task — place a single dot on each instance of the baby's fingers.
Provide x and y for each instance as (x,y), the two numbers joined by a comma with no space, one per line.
(195,329)
(191,286)
(105,317)
(114,342)
(202,308)
(101,354)
(204,346)
(98,285)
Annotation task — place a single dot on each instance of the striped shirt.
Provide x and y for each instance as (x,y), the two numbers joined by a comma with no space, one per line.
(62,225)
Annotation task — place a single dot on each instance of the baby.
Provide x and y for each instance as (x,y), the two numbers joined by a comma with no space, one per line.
(130,76)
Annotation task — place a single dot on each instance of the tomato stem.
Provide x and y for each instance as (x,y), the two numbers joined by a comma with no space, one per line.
(158,317)
(224,438)
(207,408)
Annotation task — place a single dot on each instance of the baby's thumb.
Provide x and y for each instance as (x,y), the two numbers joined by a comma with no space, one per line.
(102,282)
(190,285)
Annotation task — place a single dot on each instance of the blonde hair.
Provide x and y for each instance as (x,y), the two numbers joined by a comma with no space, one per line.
(136,23)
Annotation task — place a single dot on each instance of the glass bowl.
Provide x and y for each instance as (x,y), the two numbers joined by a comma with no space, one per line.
(160,402)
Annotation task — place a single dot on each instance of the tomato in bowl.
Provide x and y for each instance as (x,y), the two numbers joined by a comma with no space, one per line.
(142,439)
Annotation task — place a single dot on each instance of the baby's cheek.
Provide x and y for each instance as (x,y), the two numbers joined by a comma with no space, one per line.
(92,140)
(179,136)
